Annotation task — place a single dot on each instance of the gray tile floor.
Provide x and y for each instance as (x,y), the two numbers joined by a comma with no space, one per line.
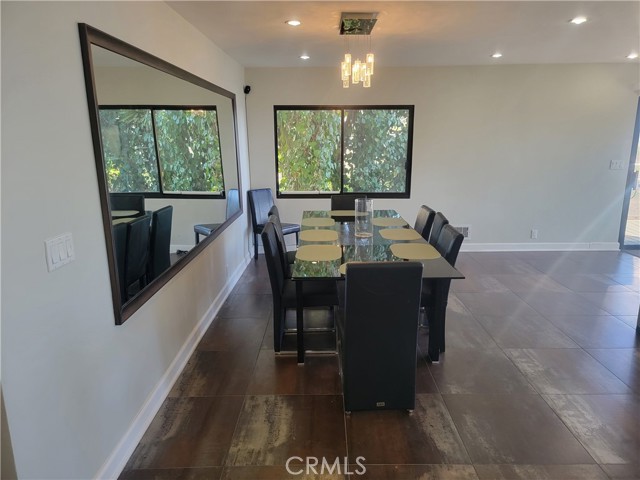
(540,380)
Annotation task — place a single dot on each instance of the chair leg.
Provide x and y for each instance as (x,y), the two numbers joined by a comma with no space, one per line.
(197,238)
(255,246)
(278,328)
(442,326)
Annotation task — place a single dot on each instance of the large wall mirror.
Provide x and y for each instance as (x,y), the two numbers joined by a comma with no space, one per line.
(165,147)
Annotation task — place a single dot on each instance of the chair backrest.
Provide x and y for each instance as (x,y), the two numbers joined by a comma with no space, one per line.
(274,262)
(233,202)
(439,221)
(382,295)
(127,201)
(274,211)
(345,201)
(120,246)
(282,247)
(424,221)
(159,256)
(135,263)
(448,244)
(260,201)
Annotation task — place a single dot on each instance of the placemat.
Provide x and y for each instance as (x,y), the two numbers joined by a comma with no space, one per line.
(343,268)
(318,253)
(389,222)
(399,234)
(122,220)
(414,251)
(342,213)
(318,222)
(319,235)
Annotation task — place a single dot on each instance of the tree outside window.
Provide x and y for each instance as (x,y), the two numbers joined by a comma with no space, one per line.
(326,150)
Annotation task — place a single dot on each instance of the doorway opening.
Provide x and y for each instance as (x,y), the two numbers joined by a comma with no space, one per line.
(630,225)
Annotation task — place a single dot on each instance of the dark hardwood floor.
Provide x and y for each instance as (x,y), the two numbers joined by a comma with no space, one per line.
(540,380)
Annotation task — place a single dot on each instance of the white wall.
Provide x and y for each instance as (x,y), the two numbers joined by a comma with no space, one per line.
(502,148)
(73,382)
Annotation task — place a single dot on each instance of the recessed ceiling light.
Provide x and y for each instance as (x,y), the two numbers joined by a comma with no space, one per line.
(293,23)
(578,20)
(496,55)
(305,57)
(632,56)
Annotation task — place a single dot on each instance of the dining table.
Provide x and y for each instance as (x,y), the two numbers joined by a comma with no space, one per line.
(328,242)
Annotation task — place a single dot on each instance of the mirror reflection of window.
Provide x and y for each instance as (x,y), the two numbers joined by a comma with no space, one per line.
(163,150)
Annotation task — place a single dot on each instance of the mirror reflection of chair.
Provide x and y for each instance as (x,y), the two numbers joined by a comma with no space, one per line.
(424,221)
(120,246)
(127,201)
(345,201)
(160,240)
(260,202)
(435,292)
(290,257)
(377,328)
(137,253)
(316,293)
(233,205)
(439,221)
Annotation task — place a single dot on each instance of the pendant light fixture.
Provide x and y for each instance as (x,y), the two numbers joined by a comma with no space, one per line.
(357,26)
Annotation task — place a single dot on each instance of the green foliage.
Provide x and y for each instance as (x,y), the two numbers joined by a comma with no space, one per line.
(374,157)
(308,150)
(375,150)
(188,145)
(189,150)
(129,153)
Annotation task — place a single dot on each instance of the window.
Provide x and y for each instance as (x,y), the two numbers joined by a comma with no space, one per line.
(329,150)
(168,150)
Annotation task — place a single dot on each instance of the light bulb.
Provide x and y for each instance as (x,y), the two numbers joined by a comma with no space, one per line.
(370,62)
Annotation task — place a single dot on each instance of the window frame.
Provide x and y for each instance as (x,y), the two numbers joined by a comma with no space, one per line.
(161,193)
(342,108)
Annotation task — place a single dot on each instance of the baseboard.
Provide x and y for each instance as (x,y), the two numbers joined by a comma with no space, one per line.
(539,247)
(118,459)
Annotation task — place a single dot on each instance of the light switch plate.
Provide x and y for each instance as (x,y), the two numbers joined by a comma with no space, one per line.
(59,251)
(616,165)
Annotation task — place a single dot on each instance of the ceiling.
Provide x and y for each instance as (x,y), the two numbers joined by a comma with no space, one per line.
(418,33)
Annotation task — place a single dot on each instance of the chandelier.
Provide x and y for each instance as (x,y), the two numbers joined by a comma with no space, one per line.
(358,71)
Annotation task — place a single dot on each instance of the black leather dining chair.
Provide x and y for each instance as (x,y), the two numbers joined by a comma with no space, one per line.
(233,205)
(439,221)
(120,246)
(345,201)
(424,221)
(137,256)
(260,202)
(435,292)
(159,242)
(377,328)
(127,201)
(316,293)
(289,256)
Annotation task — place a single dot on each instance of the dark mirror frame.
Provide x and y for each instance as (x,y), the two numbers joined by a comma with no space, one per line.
(92,36)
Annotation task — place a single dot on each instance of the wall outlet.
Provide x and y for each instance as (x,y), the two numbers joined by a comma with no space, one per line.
(534,233)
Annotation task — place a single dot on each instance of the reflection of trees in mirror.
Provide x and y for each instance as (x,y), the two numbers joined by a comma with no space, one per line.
(186,140)
(374,156)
